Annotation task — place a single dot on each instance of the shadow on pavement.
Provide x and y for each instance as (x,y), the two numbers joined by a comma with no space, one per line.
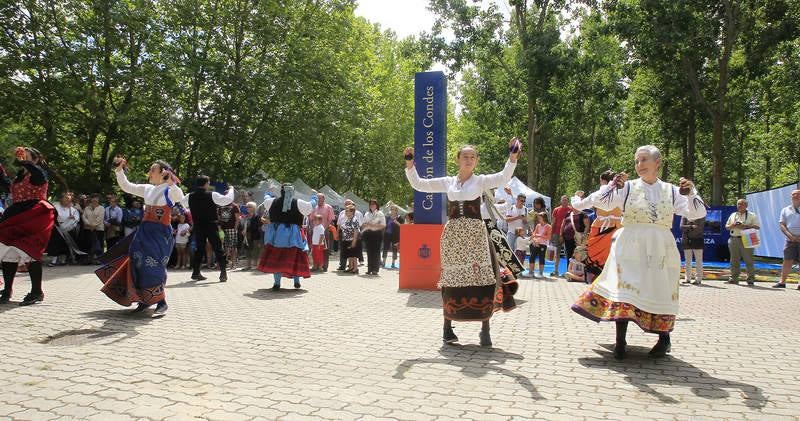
(423,299)
(643,372)
(465,356)
(122,323)
(269,294)
(193,284)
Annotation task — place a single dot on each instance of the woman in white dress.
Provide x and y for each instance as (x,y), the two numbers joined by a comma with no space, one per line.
(640,280)
(469,277)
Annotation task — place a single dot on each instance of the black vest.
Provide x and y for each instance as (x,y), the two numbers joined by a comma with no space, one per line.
(202,206)
(293,216)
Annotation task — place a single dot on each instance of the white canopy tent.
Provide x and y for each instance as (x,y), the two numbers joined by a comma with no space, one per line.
(332,197)
(386,209)
(360,203)
(518,187)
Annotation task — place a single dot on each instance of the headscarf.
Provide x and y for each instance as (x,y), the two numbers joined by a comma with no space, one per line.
(287,191)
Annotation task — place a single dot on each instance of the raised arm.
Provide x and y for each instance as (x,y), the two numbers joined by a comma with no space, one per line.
(500,179)
(223,199)
(38,174)
(691,205)
(428,185)
(607,198)
(127,186)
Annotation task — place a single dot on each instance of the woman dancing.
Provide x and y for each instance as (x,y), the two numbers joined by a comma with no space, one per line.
(603,229)
(640,279)
(470,275)
(284,241)
(26,225)
(139,274)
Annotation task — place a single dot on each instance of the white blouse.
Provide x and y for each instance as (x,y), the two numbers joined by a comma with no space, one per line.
(471,189)
(376,217)
(304,207)
(153,195)
(64,221)
(682,205)
(218,199)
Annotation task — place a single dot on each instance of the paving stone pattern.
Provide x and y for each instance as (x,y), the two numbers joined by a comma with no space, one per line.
(354,347)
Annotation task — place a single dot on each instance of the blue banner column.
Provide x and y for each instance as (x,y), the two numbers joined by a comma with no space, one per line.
(419,243)
(430,143)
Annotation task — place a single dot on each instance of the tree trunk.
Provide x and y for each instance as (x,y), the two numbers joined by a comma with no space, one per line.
(533,175)
(691,144)
(717,183)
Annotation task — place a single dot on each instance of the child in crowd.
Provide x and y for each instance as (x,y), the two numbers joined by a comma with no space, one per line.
(182,241)
(523,243)
(540,238)
(318,246)
(254,236)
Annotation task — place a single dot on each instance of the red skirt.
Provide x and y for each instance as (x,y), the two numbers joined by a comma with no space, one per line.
(29,230)
(318,254)
(288,261)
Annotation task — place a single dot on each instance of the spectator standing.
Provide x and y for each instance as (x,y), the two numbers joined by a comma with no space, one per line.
(515,218)
(741,220)
(253,236)
(182,242)
(391,236)
(318,243)
(326,211)
(112,221)
(559,215)
(359,217)
(228,222)
(93,223)
(540,238)
(790,227)
(372,230)
(692,242)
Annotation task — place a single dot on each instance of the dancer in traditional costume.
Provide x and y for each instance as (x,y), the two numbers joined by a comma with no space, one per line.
(640,280)
(603,228)
(203,203)
(136,270)
(471,284)
(285,243)
(26,225)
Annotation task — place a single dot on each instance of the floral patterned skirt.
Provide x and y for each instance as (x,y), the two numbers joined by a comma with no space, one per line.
(598,308)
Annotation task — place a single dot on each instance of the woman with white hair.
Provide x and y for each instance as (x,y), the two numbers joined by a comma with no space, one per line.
(640,280)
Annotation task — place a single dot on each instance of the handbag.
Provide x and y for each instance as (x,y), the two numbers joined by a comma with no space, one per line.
(751,238)
(497,239)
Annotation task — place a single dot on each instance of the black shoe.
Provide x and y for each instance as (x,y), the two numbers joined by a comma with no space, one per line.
(619,350)
(751,283)
(198,277)
(223,276)
(731,281)
(140,308)
(5,296)
(161,311)
(780,285)
(32,298)
(486,339)
(661,348)
(449,336)
(276,287)
(340,269)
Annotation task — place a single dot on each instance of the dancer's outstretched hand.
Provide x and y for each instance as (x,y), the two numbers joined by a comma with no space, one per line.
(20,153)
(408,154)
(621,179)
(686,186)
(120,162)
(514,149)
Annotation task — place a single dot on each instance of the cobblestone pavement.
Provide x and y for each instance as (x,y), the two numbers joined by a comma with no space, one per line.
(354,347)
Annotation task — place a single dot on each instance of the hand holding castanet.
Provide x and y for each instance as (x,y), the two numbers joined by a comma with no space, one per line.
(686,186)
(408,155)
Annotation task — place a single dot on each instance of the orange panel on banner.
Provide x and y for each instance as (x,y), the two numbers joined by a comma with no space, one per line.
(420,266)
